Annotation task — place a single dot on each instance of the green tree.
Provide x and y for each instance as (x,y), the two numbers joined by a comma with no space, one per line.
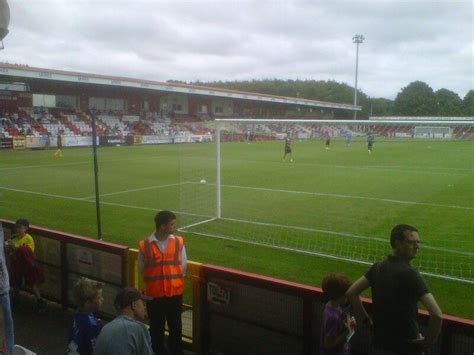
(416,99)
(382,107)
(468,104)
(330,91)
(448,103)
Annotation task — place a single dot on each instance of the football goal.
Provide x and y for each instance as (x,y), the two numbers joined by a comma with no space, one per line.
(337,188)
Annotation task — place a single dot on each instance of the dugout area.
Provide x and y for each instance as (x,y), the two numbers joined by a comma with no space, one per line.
(226,312)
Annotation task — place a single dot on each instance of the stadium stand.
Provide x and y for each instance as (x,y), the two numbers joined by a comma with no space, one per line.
(38,121)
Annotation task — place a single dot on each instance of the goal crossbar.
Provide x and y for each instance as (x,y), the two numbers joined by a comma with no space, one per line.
(468,122)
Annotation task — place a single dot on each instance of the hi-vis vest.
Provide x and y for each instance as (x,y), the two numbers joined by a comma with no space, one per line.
(163,273)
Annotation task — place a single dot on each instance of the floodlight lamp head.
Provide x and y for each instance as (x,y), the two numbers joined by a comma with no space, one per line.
(358,39)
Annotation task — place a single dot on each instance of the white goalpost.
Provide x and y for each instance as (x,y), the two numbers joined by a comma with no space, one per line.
(341,195)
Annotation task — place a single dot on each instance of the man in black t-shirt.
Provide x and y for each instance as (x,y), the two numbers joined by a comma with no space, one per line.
(288,149)
(396,289)
(370,142)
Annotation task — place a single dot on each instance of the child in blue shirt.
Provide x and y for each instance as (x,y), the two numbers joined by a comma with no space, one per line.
(85,328)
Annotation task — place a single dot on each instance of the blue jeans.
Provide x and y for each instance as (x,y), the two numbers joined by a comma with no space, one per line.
(7,321)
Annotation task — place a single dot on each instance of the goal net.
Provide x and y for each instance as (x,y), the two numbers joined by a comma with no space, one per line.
(337,188)
(433,132)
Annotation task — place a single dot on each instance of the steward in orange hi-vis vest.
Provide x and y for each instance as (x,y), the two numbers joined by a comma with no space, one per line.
(163,272)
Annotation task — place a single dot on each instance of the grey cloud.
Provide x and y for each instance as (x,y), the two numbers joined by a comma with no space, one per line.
(251,39)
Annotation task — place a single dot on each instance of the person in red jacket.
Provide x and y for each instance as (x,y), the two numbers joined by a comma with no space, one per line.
(162,262)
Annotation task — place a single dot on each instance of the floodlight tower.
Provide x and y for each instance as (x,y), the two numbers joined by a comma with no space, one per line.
(357,39)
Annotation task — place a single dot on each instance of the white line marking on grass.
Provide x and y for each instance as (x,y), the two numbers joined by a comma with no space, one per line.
(348,197)
(138,189)
(148,208)
(44,166)
(197,223)
(211,218)
(101,202)
(42,194)
(327,256)
(407,169)
(341,234)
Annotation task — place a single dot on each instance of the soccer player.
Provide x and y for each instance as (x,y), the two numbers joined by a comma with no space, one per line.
(348,138)
(288,149)
(370,141)
(59,152)
(328,140)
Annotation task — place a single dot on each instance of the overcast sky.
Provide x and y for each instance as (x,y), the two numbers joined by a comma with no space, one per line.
(405,40)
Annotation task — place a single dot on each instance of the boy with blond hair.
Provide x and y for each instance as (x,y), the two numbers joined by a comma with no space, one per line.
(85,328)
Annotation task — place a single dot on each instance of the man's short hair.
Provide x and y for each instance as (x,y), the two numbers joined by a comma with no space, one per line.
(164,217)
(335,285)
(86,290)
(398,233)
(126,296)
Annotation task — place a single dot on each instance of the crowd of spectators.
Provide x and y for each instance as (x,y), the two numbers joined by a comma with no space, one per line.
(39,120)
(396,289)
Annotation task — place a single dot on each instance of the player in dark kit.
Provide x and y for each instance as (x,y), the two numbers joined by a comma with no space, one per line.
(288,149)
(370,141)
(328,140)
(59,152)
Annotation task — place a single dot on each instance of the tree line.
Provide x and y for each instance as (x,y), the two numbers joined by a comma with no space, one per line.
(416,99)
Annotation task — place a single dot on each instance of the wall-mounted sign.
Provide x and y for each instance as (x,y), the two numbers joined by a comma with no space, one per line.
(218,294)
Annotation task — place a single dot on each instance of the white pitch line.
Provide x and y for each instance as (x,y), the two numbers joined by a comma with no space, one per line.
(348,197)
(139,189)
(407,169)
(327,256)
(228,219)
(340,234)
(42,194)
(46,166)
(101,202)
(197,223)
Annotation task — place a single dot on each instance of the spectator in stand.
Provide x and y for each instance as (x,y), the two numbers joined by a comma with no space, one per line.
(126,335)
(5,306)
(396,289)
(24,269)
(85,328)
(338,325)
(162,262)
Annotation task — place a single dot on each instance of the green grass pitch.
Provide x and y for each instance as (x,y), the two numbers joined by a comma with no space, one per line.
(277,217)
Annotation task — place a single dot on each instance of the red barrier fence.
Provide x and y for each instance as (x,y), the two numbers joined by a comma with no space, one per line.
(233,312)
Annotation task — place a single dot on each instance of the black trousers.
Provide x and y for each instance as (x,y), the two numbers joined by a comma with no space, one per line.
(165,309)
